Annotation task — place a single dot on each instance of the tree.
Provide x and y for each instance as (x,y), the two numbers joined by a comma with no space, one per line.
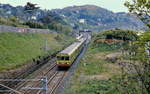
(141,8)
(120,35)
(30,7)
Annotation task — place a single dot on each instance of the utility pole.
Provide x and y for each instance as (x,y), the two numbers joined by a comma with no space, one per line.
(44,85)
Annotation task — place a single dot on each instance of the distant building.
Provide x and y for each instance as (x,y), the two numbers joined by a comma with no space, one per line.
(33,17)
(82,21)
(85,30)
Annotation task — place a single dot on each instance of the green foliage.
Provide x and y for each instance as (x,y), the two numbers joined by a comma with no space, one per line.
(17,49)
(95,75)
(88,63)
(139,56)
(96,87)
(102,47)
(140,46)
(145,37)
(12,21)
(35,25)
(141,8)
(118,34)
(31,7)
(97,18)
(60,28)
(122,81)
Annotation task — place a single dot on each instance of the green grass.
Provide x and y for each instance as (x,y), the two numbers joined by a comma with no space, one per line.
(95,75)
(95,87)
(17,49)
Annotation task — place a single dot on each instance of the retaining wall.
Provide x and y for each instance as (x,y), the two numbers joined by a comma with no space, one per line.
(4,28)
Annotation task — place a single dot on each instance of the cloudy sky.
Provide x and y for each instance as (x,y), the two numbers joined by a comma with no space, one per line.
(113,5)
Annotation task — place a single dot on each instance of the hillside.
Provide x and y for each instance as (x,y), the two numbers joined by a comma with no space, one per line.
(97,18)
(17,49)
(38,15)
(79,17)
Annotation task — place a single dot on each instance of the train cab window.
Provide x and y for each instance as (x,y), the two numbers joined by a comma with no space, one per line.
(60,58)
(67,58)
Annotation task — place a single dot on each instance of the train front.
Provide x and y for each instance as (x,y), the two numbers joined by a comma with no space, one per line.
(63,60)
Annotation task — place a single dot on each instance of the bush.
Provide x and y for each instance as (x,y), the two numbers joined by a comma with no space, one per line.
(35,25)
(118,34)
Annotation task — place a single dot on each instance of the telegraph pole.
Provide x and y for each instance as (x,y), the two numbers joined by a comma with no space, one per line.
(44,85)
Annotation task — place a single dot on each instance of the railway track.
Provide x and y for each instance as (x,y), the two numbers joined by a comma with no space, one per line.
(54,82)
(57,84)
(54,78)
(38,74)
(17,84)
(47,72)
(14,84)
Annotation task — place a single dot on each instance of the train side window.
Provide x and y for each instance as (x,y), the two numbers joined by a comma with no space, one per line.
(62,58)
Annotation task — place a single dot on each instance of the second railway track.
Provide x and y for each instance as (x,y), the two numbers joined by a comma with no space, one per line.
(54,79)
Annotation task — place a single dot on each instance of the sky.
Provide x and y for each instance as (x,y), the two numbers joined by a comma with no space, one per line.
(113,5)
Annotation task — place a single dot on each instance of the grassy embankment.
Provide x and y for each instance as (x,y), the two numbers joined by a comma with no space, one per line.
(17,49)
(96,75)
(101,71)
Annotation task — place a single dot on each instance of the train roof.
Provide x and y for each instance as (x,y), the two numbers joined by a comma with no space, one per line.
(69,50)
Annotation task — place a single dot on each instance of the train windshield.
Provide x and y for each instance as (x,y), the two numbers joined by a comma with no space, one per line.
(67,58)
(62,57)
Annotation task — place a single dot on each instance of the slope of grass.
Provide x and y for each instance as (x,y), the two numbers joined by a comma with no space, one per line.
(96,75)
(17,49)
(12,21)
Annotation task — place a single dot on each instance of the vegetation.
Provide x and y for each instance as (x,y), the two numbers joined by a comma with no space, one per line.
(96,75)
(30,7)
(61,28)
(138,53)
(118,34)
(58,27)
(17,49)
(98,19)
(35,25)
(129,74)
(12,21)
(141,9)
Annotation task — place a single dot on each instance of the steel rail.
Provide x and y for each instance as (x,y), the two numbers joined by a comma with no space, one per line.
(34,85)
